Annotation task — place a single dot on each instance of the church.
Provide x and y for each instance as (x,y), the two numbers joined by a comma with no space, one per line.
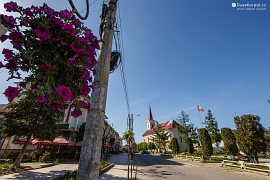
(169,126)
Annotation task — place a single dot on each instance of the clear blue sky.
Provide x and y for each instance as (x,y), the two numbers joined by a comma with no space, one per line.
(180,53)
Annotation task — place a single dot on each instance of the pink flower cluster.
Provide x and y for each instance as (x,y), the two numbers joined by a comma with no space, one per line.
(57,52)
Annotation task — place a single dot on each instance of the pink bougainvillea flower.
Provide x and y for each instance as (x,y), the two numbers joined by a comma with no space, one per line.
(56,106)
(73,46)
(11,6)
(95,71)
(28,12)
(84,39)
(14,36)
(45,67)
(11,93)
(8,20)
(22,84)
(87,106)
(70,29)
(12,63)
(17,46)
(85,75)
(3,38)
(76,113)
(41,99)
(64,92)
(72,60)
(7,53)
(77,23)
(84,90)
(43,33)
(65,14)
(49,11)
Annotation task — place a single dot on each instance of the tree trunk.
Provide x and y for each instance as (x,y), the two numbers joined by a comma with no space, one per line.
(255,158)
(20,157)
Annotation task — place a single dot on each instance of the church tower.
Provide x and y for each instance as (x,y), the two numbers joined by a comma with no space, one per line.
(150,121)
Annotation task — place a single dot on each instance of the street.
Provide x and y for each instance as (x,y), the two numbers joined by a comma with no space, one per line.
(156,167)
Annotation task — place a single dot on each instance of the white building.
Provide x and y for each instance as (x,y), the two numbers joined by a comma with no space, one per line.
(169,126)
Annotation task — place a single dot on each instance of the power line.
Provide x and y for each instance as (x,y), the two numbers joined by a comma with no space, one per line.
(120,43)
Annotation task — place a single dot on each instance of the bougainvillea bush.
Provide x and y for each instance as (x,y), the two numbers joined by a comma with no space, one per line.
(53,57)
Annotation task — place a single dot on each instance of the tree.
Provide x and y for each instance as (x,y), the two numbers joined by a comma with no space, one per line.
(142,146)
(174,146)
(194,135)
(38,121)
(151,146)
(189,145)
(230,146)
(250,135)
(128,135)
(184,125)
(211,126)
(160,137)
(205,140)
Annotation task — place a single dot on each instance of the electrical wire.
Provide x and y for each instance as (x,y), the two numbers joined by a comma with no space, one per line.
(121,49)
(74,9)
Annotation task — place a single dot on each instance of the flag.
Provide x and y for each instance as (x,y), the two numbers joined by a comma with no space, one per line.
(268,100)
(200,109)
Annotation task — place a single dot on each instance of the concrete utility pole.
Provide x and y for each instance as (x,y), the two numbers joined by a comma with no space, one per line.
(92,140)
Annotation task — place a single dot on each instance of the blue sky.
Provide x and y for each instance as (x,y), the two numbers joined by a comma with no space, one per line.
(180,53)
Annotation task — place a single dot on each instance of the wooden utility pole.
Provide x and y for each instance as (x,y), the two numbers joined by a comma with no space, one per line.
(92,140)
(3,29)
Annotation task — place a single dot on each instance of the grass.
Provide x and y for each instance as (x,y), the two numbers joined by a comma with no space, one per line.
(8,169)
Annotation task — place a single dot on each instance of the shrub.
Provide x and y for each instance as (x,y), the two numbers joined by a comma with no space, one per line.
(45,158)
(207,148)
(189,145)
(230,146)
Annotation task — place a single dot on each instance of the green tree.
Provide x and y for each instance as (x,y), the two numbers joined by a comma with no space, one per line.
(161,138)
(174,146)
(194,135)
(206,143)
(184,125)
(142,146)
(250,135)
(230,146)
(211,126)
(189,145)
(128,136)
(151,146)
(37,121)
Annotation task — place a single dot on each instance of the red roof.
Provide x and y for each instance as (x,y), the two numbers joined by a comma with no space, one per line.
(167,125)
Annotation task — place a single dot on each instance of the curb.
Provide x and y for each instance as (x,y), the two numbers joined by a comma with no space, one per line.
(106,169)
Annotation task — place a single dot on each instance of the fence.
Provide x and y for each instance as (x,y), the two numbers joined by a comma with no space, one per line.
(264,168)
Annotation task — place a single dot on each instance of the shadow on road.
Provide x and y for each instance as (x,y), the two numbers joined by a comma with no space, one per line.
(149,160)
(29,175)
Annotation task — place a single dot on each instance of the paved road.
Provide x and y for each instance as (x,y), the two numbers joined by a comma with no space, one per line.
(155,167)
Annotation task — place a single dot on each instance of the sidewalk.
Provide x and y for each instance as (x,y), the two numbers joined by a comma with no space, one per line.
(119,171)
(43,173)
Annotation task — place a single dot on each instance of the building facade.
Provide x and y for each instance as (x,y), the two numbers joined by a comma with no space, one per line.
(168,126)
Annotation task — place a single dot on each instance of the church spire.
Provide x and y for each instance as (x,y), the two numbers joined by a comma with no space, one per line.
(150,116)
